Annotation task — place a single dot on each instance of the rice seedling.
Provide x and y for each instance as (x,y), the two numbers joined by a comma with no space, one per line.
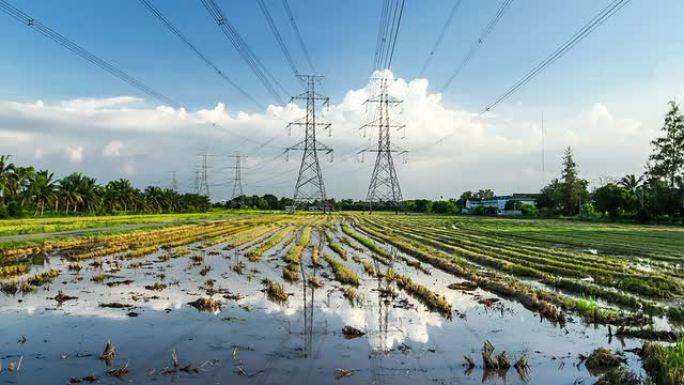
(315,282)
(179,251)
(430,299)
(43,278)
(74,266)
(291,272)
(315,256)
(207,304)
(99,277)
(341,272)
(205,270)
(239,267)
(255,254)
(368,266)
(142,251)
(664,364)
(9,287)
(294,254)
(335,246)
(157,286)
(275,291)
(12,270)
(350,294)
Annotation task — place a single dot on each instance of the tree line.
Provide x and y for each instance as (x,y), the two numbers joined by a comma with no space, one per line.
(27,191)
(656,193)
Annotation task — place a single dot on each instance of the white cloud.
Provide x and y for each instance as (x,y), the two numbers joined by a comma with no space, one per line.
(75,153)
(115,148)
(450,148)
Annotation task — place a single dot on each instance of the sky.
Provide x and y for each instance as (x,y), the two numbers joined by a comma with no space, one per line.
(606,98)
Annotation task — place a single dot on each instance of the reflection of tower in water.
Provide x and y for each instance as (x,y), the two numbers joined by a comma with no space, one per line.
(384,290)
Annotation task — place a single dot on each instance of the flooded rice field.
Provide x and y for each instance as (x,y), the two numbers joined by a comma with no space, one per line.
(209,310)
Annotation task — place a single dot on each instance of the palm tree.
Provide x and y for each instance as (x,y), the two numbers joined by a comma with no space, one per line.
(631,182)
(6,171)
(635,185)
(19,182)
(43,189)
(120,193)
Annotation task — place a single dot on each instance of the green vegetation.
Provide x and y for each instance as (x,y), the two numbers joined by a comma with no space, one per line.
(255,254)
(27,189)
(335,246)
(665,364)
(342,273)
(275,291)
(426,296)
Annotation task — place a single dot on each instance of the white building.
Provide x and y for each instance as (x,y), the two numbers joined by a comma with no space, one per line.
(499,203)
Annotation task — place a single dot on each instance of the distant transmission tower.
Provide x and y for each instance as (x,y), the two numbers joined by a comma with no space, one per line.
(174,182)
(384,184)
(197,175)
(237,180)
(203,177)
(310,187)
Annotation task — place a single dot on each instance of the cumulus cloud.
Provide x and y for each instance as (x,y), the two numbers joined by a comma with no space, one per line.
(451,149)
(75,153)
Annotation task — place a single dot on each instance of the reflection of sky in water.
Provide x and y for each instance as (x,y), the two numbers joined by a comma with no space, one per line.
(278,329)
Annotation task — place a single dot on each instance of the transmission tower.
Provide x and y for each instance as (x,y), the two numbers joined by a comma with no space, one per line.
(384,184)
(203,188)
(237,180)
(197,172)
(309,187)
(174,182)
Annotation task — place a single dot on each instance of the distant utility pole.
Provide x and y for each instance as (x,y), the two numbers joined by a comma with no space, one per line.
(174,182)
(309,186)
(384,184)
(237,179)
(543,151)
(203,177)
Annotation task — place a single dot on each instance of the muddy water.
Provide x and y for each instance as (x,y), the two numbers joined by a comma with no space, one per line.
(256,341)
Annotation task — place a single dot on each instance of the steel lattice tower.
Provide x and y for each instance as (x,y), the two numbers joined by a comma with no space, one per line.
(203,177)
(310,187)
(174,181)
(384,184)
(237,179)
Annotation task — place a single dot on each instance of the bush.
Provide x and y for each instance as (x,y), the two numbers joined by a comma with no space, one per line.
(3,211)
(530,210)
(14,210)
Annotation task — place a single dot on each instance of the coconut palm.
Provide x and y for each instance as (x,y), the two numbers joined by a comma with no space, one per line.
(120,194)
(631,182)
(43,190)
(6,171)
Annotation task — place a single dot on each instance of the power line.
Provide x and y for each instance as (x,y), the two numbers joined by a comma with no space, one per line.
(278,37)
(379,42)
(394,39)
(585,31)
(293,23)
(440,37)
(82,52)
(390,21)
(197,52)
(252,61)
(478,43)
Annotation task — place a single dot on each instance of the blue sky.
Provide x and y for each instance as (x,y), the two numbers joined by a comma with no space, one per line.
(630,65)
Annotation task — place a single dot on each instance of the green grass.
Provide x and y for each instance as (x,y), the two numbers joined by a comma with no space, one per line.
(341,272)
(54,224)
(665,364)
